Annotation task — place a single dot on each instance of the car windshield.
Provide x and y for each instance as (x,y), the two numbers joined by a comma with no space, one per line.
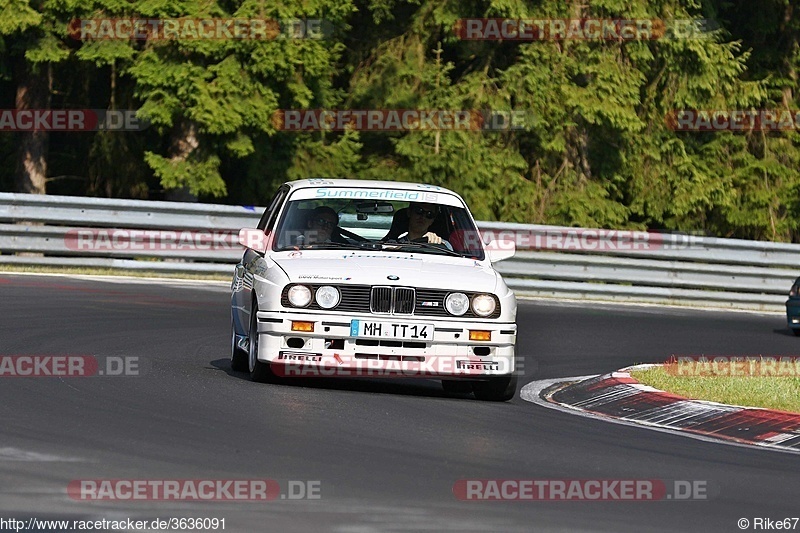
(353,219)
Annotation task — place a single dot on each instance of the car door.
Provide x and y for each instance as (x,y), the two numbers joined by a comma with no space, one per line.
(242,288)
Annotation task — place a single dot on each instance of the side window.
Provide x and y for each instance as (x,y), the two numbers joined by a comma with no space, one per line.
(268,218)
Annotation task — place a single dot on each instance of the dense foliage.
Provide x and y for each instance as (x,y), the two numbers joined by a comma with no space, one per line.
(599,152)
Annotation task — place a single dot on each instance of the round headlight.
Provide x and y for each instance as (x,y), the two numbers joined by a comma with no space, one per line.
(456,303)
(299,296)
(327,297)
(483,305)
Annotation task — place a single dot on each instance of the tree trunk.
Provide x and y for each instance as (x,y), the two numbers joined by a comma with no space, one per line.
(789,59)
(184,141)
(578,151)
(33,92)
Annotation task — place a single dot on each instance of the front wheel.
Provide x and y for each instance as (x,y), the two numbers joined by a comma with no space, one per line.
(238,356)
(499,389)
(260,372)
(796,332)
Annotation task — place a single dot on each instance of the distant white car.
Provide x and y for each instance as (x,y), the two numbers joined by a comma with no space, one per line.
(331,285)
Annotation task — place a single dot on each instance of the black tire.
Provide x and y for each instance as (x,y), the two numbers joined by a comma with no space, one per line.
(496,389)
(259,372)
(238,356)
(796,332)
(453,386)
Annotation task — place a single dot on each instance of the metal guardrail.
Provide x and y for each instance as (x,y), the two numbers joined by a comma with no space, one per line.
(551,261)
(678,269)
(47,230)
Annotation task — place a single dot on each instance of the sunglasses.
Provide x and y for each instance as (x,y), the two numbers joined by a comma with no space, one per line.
(321,222)
(430,215)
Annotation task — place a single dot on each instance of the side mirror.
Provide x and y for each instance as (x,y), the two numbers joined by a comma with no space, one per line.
(254,238)
(500,250)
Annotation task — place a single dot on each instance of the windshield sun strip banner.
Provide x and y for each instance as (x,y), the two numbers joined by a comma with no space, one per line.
(368,194)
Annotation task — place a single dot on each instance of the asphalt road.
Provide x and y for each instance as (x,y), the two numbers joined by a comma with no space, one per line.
(386,454)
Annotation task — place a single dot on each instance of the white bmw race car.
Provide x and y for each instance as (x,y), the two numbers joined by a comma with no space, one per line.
(352,278)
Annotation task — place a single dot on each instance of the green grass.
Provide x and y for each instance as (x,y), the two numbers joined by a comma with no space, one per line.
(110,272)
(781,393)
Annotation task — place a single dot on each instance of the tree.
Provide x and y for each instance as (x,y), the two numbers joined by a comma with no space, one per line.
(32,37)
(211,98)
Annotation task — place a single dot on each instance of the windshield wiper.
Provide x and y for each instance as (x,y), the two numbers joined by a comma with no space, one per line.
(425,246)
(319,246)
(323,245)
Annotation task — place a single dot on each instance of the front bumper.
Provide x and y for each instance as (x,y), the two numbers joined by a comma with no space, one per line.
(331,351)
(793,313)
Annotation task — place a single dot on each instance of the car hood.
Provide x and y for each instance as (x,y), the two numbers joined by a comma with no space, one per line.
(373,268)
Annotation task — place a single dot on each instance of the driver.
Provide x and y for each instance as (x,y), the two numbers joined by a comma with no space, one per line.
(420,218)
(321,223)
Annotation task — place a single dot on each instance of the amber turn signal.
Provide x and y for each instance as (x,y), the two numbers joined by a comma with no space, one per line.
(479,335)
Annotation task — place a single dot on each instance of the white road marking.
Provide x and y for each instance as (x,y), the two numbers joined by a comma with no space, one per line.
(16,454)
(210,284)
(655,308)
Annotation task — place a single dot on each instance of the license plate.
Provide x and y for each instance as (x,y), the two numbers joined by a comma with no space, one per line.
(391,330)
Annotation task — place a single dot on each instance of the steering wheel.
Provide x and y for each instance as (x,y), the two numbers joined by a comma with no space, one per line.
(350,235)
(424,240)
